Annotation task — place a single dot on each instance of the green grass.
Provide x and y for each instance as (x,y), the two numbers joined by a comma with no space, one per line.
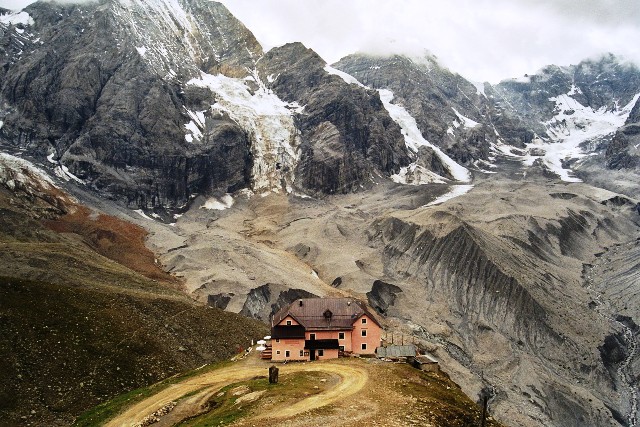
(105,411)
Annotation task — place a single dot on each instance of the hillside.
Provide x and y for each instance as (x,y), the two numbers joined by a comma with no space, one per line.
(344,392)
(79,327)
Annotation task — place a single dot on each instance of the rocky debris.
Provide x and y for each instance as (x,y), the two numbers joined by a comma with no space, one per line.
(382,296)
(266,300)
(498,280)
(156,415)
(219,300)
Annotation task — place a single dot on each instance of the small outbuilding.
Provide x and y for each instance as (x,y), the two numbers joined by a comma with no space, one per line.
(424,362)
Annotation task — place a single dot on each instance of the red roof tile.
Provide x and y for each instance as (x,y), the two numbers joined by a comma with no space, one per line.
(324,313)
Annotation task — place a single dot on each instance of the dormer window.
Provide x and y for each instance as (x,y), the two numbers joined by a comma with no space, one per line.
(327,314)
(288,322)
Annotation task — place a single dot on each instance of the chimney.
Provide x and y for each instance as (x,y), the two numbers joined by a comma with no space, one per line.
(349,303)
(300,303)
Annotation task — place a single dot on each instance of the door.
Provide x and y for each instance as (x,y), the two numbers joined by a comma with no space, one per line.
(312,354)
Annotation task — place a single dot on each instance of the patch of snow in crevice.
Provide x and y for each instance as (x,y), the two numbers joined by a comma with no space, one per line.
(63,172)
(269,122)
(196,126)
(482,164)
(465,121)
(142,214)
(416,175)
(219,204)
(344,76)
(413,137)
(456,191)
(142,50)
(16,18)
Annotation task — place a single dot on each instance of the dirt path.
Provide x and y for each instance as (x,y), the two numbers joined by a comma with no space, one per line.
(352,380)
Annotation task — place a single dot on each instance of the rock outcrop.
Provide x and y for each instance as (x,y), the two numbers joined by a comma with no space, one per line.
(347,135)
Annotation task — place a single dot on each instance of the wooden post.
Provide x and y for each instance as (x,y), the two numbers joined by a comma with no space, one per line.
(273,375)
(485,400)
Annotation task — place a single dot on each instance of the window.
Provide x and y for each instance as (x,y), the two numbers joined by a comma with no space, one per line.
(301,353)
(320,353)
(364,346)
(287,353)
(277,339)
(341,348)
(364,320)
(312,336)
(364,332)
(288,322)
(277,351)
(340,335)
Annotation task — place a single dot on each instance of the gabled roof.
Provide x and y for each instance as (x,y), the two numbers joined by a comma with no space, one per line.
(325,313)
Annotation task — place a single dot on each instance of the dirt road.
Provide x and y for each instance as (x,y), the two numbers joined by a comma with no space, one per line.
(352,380)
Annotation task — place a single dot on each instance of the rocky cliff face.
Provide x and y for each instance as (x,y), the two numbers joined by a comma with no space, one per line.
(450,111)
(347,135)
(86,91)
(622,151)
(153,102)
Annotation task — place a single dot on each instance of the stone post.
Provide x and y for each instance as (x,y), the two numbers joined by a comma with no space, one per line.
(273,375)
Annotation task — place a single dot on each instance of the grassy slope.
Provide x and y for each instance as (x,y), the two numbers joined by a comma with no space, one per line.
(77,328)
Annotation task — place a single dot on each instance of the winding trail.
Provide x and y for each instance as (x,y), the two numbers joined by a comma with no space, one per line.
(352,380)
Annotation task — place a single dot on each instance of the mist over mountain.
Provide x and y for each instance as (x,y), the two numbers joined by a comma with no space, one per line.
(495,224)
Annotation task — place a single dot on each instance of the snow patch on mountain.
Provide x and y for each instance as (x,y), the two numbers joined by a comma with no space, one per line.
(16,18)
(196,126)
(414,140)
(15,170)
(463,121)
(269,121)
(219,204)
(456,191)
(344,76)
(572,125)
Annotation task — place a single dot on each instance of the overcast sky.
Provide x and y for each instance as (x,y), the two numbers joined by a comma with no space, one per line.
(484,40)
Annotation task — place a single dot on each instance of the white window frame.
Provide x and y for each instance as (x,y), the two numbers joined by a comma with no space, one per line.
(287,353)
(363,346)
(340,335)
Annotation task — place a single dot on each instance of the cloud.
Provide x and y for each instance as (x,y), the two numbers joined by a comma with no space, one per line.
(484,40)
(480,39)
